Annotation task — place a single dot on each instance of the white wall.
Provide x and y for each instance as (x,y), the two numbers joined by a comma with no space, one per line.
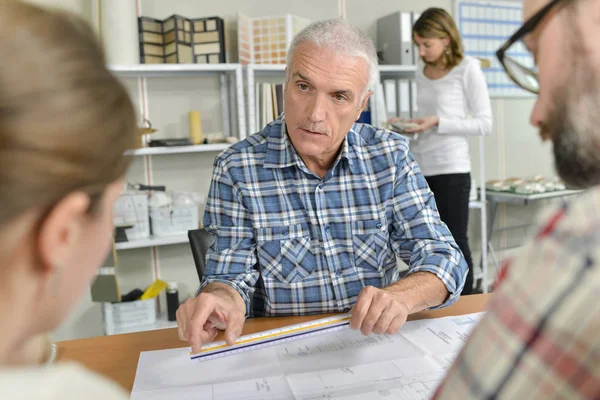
(513,149)
(83,8)
(228,9)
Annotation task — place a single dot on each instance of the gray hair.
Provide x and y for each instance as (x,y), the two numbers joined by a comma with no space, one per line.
(340,37)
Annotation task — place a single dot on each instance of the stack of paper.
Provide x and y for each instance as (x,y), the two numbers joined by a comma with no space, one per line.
(340,365)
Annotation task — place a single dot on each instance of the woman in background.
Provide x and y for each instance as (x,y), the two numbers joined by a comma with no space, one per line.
(454,103)
(65,122)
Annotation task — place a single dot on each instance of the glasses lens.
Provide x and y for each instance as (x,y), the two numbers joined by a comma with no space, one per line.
(526,77)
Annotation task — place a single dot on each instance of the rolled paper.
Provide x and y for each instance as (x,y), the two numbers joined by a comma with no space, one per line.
(195,127)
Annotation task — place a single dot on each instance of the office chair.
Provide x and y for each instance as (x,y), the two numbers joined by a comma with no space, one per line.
(200,242)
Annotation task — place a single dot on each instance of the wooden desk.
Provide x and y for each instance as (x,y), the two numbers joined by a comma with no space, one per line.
(116,356)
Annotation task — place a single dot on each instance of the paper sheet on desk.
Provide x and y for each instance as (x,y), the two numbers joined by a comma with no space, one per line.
(339,365)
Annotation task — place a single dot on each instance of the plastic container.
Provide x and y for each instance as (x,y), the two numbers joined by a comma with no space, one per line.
(131,208)
(173,214)
(120,317)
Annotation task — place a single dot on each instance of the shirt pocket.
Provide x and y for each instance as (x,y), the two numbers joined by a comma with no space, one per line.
(285,253)
(370,244)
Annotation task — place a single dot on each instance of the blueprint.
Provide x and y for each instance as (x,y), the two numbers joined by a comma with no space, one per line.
(341,365)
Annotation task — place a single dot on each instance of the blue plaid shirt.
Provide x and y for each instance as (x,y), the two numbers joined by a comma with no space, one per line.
(292,243)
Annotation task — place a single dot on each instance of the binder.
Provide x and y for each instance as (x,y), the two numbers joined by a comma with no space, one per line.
(404,98)
(394,38)
(391,104)
(414,106)
(380,104)
(414,17)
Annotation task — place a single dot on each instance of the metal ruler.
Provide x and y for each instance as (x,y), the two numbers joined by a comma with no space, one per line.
(272,337)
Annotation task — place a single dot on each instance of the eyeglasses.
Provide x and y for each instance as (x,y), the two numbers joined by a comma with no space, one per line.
(524,76)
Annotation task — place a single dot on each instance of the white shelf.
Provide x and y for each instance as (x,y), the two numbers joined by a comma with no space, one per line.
(397,69)
(163,70)
(267,68)
(151,242)
(475,204)
(148,151)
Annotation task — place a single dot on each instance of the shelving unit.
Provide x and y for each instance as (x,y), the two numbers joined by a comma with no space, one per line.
(233,117)
(231,88)
(233,113)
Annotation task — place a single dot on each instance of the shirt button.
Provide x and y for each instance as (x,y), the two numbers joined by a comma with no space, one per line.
(285,232)
(320,186)
(379,226)
(327,228)
(339,272)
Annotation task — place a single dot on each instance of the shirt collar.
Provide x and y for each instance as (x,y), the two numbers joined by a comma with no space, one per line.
(281,153)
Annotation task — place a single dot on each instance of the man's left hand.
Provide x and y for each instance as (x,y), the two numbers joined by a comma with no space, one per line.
(379,311)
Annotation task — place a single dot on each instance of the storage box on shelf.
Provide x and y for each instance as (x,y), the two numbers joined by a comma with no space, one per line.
(120,316)
(164,218)
(174,214)
(131,209)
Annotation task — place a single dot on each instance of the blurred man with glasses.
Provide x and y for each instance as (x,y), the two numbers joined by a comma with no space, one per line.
(540,338)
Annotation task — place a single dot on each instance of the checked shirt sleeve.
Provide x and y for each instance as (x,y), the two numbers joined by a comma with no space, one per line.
(419,237)
(232,257)
(539,337)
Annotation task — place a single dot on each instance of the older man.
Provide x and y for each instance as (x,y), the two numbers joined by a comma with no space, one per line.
(541,336)
(310,213)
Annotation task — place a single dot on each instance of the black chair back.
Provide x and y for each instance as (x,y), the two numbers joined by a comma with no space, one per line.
(200,242)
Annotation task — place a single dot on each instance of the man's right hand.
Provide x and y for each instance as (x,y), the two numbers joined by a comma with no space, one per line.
(217,307)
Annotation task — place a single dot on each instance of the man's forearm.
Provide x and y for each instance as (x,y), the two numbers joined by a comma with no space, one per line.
(226,290)
(420,291)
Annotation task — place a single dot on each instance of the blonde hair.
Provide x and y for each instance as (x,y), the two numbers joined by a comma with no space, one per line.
(65,120)
(437,23)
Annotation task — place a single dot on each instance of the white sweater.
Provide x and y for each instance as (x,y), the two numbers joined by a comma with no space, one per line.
(57,382)
(462,92)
